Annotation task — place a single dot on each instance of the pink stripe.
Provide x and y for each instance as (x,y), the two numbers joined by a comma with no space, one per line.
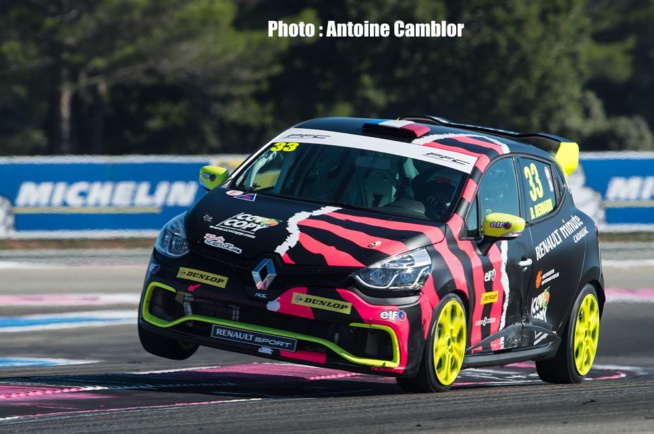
(451,148)
(434,234)
(266,370)
(9,392)
(388,246)
(636,295)
(482,162)
(141,407)
(66,300)
(332,255)
(420,130)
(470,190)
(478,142)
(308,356)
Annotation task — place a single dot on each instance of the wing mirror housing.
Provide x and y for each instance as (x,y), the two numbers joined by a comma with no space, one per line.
(212,176)
(503,226)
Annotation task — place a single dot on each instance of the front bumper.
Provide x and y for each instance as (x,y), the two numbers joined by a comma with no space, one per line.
(320,326)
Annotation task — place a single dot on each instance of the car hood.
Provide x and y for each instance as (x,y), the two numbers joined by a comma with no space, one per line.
(249,225)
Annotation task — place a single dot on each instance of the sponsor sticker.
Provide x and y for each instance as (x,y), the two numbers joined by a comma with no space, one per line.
(153,268)
(253,338)
(574,227)
(443,157)
(202,277)
(547,277)
(500,225)
(250,197)
(322,303)
(208,176)
(219,242)
(539,305)
(393,315)
(306,136)
(485,321)
(489,297)
(245,225)
(541,208)
(489,276)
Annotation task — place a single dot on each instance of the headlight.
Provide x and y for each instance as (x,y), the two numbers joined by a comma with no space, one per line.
(172,238)
(405,272)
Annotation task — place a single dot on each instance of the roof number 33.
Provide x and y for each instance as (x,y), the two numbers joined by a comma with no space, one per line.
(284,146)
(531,173)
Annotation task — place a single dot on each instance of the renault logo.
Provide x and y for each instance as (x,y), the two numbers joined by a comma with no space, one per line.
(264,273)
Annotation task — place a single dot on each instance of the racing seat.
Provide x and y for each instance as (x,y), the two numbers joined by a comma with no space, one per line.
(379,188)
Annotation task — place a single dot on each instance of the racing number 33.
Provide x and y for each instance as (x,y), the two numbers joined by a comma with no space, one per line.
(283,146)
(531,173)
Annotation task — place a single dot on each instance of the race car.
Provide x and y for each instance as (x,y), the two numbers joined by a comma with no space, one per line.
(412,248)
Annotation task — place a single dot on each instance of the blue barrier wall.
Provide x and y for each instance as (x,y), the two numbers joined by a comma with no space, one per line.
(87,196)
(616,189)
(132,196)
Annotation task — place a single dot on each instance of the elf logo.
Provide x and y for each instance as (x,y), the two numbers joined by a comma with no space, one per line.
(392,315)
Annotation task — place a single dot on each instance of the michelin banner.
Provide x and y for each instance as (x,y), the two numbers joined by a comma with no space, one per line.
(58,197)
(97,196)
(616,189)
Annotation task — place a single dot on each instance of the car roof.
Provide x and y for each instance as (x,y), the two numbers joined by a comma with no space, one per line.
(464,140)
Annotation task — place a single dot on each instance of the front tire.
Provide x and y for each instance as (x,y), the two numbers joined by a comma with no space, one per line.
(444,350)
(578,348)
(165,347)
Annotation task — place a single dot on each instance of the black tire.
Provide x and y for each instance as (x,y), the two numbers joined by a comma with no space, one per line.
(448,336)
(165,347)
(578,347)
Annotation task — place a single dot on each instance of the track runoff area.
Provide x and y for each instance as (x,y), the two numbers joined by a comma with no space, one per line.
(24,397)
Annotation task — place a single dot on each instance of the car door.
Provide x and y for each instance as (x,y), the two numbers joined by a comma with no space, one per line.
(499,299)
(557,256)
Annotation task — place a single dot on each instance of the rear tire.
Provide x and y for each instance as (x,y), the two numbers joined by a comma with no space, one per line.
(578,347)
(444,351)
(165,347)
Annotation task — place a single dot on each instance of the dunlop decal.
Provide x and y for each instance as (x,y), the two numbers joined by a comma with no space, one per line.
(489,297)
(202,277)
(322,303)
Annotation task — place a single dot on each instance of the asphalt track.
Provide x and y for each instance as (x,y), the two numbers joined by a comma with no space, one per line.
(70,361)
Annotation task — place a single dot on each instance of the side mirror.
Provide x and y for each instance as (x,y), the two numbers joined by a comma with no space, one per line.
(212,176)
(503,226)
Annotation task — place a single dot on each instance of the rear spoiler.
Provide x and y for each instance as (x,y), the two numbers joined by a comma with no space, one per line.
(567,154)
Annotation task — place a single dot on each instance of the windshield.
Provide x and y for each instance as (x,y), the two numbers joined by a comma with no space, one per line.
(354,178)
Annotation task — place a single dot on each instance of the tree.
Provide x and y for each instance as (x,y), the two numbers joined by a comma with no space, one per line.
(83,50)
(519,65)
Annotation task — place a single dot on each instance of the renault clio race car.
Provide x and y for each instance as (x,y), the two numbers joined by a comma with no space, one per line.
(411,248)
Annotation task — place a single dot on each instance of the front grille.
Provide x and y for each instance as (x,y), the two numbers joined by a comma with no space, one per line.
(288,276)
(358,341)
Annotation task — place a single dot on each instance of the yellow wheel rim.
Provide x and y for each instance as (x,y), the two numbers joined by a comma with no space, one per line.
(449,343)
(586,334)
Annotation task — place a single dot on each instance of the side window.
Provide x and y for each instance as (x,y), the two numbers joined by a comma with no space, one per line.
(538,183)
(559,184)
(472,220)
(498,191)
